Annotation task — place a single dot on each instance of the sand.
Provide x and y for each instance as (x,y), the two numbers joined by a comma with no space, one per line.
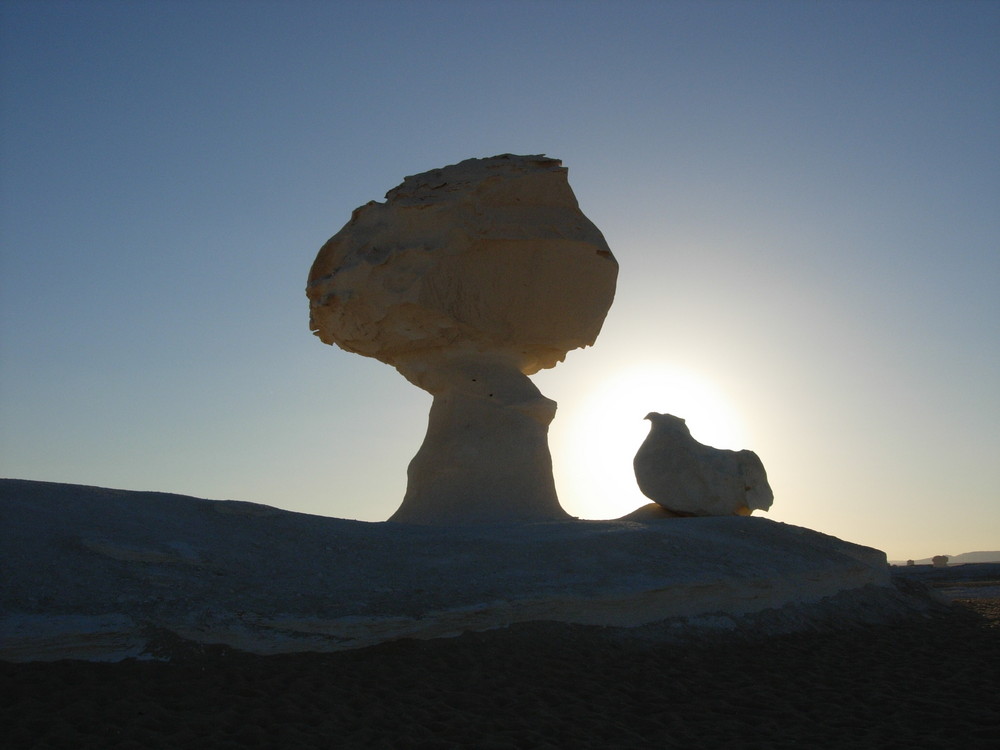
(928,683)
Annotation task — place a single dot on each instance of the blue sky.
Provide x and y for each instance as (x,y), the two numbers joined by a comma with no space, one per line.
(804,199)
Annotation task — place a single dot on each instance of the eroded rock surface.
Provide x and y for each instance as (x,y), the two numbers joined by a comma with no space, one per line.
(269,581)
(687,478)
(490,255)
(468,279)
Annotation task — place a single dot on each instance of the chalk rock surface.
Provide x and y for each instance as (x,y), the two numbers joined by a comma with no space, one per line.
(468,279)
(100,574)
(690,479)
(488,255)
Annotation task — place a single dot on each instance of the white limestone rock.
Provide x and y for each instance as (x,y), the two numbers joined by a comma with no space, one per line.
(690,479)
(271,581)
(468,279)
(489,255)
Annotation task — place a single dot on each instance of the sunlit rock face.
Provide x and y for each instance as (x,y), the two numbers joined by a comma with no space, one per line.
(687,478)
(468,279)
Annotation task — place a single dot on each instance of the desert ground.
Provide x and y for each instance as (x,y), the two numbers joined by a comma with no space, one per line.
(845,671)
(930,683)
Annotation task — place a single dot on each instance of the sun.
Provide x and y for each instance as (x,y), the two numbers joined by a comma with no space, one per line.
(600,434)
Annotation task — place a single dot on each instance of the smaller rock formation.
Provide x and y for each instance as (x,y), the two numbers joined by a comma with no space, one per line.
(687,478)
(940,561)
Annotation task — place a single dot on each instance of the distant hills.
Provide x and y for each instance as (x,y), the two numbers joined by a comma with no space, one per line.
(965,557)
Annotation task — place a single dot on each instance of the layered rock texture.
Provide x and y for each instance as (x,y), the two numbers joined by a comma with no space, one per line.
(468,279)
(687,478)
(103,574)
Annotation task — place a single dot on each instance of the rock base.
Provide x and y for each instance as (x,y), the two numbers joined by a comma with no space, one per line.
(103,574)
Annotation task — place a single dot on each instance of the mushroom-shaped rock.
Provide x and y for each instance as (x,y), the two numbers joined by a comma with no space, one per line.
(690,479)
(468,279)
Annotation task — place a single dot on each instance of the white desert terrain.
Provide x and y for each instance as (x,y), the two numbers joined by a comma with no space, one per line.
(103,574)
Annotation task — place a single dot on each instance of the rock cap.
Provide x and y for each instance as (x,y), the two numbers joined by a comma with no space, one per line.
(488,256)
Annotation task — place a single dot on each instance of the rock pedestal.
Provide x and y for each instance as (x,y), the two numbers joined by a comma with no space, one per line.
(485,456)
(468,279)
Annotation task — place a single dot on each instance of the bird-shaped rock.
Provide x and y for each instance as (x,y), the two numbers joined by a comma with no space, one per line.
(690,479)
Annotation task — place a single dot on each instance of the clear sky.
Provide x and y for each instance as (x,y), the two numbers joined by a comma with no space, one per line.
(804,199)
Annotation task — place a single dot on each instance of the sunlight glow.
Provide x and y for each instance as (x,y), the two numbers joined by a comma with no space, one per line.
(603,432)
